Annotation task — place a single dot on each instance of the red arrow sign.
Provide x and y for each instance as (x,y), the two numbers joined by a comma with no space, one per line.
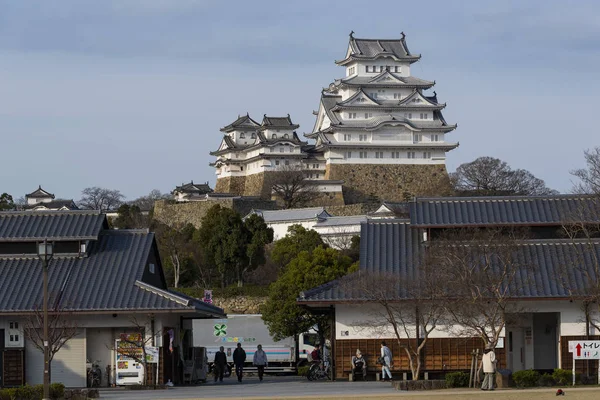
(578,347)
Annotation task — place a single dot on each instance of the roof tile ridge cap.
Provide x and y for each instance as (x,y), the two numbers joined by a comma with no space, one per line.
(161,292)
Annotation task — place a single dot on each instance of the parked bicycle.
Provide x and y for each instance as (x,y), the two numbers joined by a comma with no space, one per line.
(320,370)
(94,375)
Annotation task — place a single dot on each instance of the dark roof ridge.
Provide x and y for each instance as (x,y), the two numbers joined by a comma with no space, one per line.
(52,212)
(388,221)
(140,231)
(501,198)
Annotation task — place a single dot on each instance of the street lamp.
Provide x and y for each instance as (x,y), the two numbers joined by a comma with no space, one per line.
(45,253)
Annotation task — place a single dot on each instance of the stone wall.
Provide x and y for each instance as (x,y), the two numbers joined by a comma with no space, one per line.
(192,212)
(400,182)
(231,184)
(258,185)
(352,209)
(240,304)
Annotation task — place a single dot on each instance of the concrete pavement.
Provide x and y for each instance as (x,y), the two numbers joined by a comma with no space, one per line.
(271,386)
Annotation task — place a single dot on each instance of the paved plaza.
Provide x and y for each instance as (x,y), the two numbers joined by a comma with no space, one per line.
(272,386)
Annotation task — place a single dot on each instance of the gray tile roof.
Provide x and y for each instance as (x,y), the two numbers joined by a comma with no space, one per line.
(108,279)
(292,214)
(341,221)
(370,81)
(243,122)
(278,122)
(39,193)
(53,205)
(391,246)
(500,210)
(51,225)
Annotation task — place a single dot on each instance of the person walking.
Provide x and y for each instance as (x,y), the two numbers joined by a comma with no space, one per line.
(260,361)
(219,364)
(489,369)
(359,365)
(386,358)
(239,358)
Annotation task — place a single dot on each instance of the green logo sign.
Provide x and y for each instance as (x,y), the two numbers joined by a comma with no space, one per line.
(220,330)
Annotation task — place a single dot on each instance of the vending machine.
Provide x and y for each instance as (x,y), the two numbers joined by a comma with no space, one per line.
(129,355)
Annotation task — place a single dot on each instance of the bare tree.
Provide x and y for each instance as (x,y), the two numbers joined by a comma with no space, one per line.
(412,308)
(61,329)
(97,198)
(290,185)
(488,176)
(146,203)
(589,177)
(134,344)
(484,273)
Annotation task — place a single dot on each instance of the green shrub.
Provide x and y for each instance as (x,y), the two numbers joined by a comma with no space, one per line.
(28,393)
(562,376)
(526,378)
(303,371)
(546,380)
(8,394)
(457,379)
(57,391)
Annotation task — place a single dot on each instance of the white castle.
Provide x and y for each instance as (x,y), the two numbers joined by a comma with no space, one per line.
(376,135)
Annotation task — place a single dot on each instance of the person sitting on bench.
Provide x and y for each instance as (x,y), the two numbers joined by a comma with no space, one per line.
(359,364)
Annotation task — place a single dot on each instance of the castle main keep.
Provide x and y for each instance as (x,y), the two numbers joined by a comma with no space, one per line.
(377,136)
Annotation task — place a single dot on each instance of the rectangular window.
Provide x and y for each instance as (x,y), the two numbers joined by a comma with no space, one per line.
(362,138)
(347,137)
(281,149)
(276,162)
(435,138)
(272,149)
(379,154)
(367,68)
(351,115)
(398,96)
(363,154)
(348,154)
(368,115)
(396,69)
(425,115)
(409,115)
(373,95)
(381,68)
(291,149)
(410,154)
(151,268)
(426,154)
(317,176)
(387,68)
(417,138)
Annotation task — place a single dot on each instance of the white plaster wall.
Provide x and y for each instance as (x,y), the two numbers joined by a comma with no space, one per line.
(280,229)
(404,67)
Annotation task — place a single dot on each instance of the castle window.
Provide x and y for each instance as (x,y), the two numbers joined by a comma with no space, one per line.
(276,162)
(272,149)
(286,136)
(363,154)
(373,95)
(291,149)
(426,154)
(367,68)
(347,137)
(396,69)
(417,138)
(379,154)
(348,154)
(241,168)
(387,68)
(410,154)
(397,96)
(362,138)
(281,149)
(274,136)
(242,135)
(351,115)
(368,115)
(395,154)
(253,135)
(435,138)
(381,68)
(317,176)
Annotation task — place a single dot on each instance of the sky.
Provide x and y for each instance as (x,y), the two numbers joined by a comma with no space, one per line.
(131,94)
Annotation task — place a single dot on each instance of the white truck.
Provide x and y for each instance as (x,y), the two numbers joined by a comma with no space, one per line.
(250,330)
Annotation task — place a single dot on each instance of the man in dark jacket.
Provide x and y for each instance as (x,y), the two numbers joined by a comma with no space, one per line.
(239,358)
(220,363)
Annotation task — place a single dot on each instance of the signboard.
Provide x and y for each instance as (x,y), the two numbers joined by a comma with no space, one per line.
(585,349)
(152,355)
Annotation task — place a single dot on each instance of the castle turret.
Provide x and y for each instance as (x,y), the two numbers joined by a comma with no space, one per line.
(377,129)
